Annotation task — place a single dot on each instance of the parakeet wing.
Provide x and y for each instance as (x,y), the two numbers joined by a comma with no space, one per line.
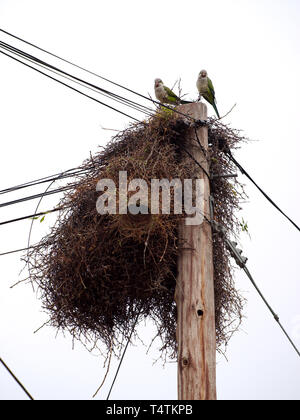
(170,93)
(211,87)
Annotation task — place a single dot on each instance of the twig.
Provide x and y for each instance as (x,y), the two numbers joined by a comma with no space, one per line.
(107,370)
(146,245)
(109,129)
(45,323)
(228,112)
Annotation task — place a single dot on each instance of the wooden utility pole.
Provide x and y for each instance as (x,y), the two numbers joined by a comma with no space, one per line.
(194,296)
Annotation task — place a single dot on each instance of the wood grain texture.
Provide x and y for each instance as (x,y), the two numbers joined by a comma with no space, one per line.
(194,294)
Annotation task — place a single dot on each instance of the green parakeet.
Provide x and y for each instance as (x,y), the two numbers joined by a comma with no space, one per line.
(166,95)
(206,89)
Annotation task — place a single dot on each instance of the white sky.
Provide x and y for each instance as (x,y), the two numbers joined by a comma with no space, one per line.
(251,51)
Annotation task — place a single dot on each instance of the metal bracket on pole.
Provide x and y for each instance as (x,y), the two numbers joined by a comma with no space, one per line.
(200,123)
(217,227)
(236,253)
(224,176)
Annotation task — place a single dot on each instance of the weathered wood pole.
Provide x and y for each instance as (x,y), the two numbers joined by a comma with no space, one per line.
(194,296)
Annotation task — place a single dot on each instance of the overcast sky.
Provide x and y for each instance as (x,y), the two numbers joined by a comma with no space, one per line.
(250,49)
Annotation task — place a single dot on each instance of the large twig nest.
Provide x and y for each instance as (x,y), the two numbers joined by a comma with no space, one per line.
(97,274)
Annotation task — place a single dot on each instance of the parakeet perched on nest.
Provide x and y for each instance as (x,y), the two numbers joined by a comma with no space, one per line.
(206,89)
(165,95)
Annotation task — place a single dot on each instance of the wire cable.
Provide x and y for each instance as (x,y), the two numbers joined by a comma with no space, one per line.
(17,380)
(41,181)
(195,160)
(33,197)
(36,210)
(241,262)
(75,65)
(276,317)
(30,216)
(54,68)
(77,80)
(260,189)
(70,87)
(16,250)
(123,355)
(97,75)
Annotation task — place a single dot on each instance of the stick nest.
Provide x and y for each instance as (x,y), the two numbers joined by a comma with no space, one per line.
(99,276)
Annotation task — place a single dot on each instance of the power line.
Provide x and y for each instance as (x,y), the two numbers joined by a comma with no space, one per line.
(33,197)
(17,380)
(97,75)
(123,355)
(75,79)
(70,87)
(241,262)
(195,160)
(276,317)
(75,65)
(258,187)
(29,216)
(111,95)
(39,181)
(16,250)
(62,174)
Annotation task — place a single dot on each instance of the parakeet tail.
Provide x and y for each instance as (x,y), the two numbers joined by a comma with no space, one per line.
(185,102)
(216,109)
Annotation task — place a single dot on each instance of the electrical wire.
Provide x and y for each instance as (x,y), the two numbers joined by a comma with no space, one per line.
(16,250)
(75,65)
(276,317)
(241,262)
(77,80)
(195,160)
(17,380)
(260,189)
(33,197)
(36,210)
(41,181)
(66,74)
(101,77)
(123,355)
(29,216)
(118,98)
(70,87)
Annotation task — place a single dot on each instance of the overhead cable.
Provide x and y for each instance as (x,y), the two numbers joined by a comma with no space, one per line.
(16,379)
